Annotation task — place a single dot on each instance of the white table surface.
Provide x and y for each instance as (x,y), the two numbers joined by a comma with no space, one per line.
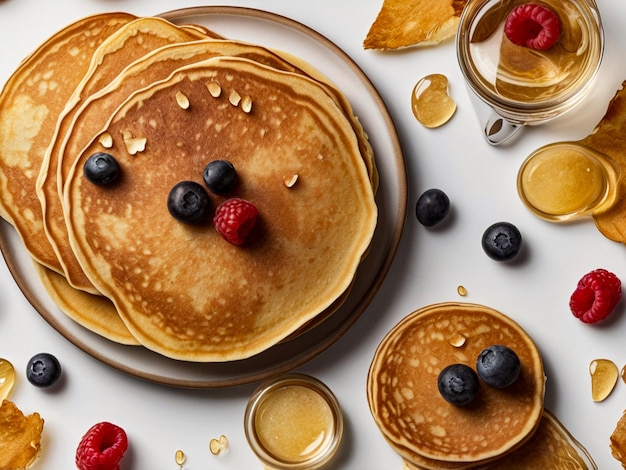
(430,264)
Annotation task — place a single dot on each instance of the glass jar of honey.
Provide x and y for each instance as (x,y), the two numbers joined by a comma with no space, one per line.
(293,422)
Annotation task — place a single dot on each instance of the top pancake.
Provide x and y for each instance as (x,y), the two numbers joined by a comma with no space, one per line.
(182,290)
(408,408)
(30,103)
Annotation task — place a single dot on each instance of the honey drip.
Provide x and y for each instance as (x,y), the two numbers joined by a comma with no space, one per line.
(461,290)
(604,376)
(431,102)
(180,458)
(218,446)
(567,180)
(7,379)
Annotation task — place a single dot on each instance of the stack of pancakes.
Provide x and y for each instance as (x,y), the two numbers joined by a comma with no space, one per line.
(165,100)
(497,428)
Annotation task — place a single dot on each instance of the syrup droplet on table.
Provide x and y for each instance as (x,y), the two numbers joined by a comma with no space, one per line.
(180,458)
(431,102)
(462,291)
(218,446)
(604,376)
(7,379)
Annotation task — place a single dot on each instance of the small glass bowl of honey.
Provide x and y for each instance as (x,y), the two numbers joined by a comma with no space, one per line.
(567,180)
(293,422)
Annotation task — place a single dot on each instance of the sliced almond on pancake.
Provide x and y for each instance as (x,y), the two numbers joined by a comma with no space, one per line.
(402,23)
(424,428)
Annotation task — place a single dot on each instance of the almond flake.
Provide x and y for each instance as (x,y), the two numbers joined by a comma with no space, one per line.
(214,89)
(234,98)
(182,100)
(246,104)
(133,144)
(106,140)
(290,180)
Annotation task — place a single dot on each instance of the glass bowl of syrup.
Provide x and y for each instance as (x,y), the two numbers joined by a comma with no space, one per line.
(293,422)
(527,86)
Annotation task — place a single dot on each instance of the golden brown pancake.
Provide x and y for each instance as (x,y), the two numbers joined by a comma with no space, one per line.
(418,422)
(121,48)
(94,312)
(182,290)
(30,103)
(551,446)
(402,23)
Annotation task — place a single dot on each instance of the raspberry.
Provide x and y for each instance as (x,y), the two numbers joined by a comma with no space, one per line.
(102,447)
(596,295)
(533,26)
(234,219)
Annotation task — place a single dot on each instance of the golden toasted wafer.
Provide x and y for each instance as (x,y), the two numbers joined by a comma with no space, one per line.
(402,23)
(609,138)
(618,440)
(20,437)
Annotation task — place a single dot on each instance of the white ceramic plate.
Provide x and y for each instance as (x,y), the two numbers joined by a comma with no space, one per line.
(278,32)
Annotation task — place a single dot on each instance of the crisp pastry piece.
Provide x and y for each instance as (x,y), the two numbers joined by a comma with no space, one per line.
(418,422)
(609,138)
(20,437)
(182,290)
(30,103)
(402,23)
(124,46)
(618,440)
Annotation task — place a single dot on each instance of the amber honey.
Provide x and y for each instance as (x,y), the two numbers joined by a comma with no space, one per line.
(294,422)
(431,103)
(604,375)
(567,180)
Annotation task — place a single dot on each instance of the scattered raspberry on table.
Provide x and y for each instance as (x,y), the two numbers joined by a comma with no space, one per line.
(596,296)
(102,447)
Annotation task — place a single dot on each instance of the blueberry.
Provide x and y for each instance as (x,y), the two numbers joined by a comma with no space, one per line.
(502,241)
(220,176)
(188,202)
(432,207)
(458,384)
(498,366)
(43,370)
(101,168)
